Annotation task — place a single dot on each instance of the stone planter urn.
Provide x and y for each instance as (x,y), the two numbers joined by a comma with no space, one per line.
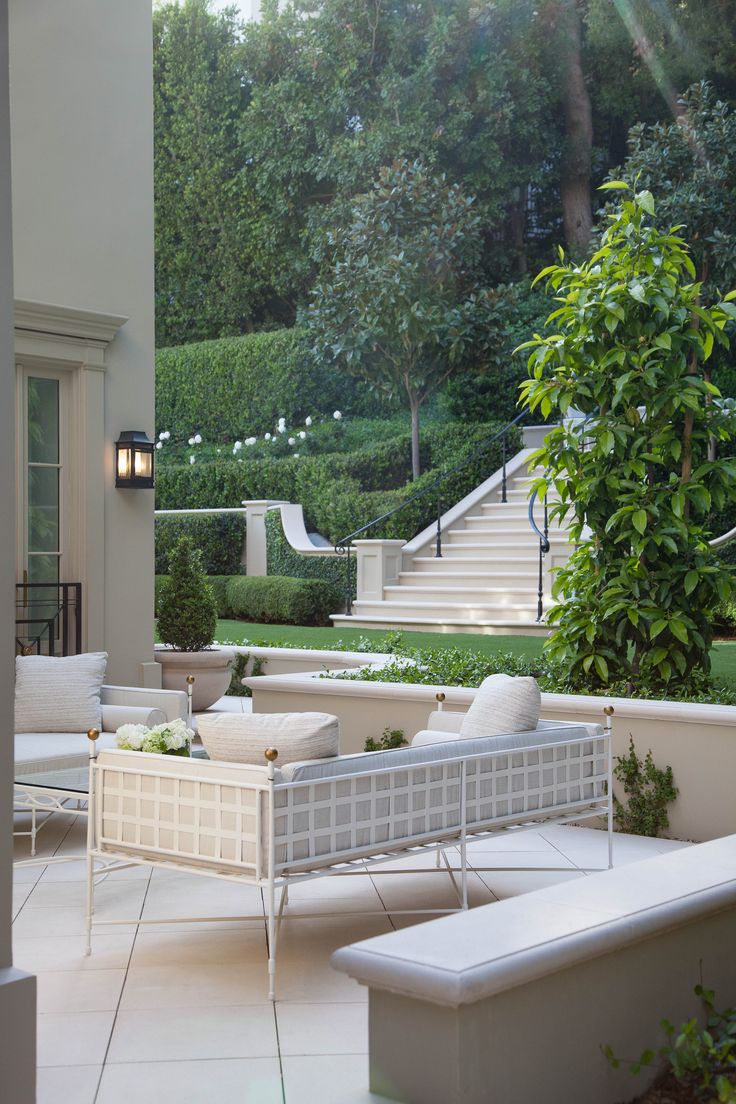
(211,670)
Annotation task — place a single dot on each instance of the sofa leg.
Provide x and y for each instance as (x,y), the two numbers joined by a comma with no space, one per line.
(90,905)
(271,942)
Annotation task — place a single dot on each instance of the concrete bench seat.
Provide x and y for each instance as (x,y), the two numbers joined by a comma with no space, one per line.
(511,1002)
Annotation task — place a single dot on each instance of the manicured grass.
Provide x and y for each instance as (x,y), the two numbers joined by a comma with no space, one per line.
(347,639)
(237,632)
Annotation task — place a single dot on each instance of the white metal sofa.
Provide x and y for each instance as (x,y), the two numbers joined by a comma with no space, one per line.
(270,828)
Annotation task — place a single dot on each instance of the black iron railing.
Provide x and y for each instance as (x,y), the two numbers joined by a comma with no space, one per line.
(48,617)
(544,546)
(343,547)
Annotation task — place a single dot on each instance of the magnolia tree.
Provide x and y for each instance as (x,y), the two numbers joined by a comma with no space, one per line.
(632,475)
(396,306)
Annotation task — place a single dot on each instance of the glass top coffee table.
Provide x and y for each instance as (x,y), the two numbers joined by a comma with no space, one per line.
(43,793)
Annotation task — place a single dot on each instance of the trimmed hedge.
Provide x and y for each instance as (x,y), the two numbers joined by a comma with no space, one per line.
(283,560)
(280,600)
(220,539)
(272,599)
(236,386)
(342,491)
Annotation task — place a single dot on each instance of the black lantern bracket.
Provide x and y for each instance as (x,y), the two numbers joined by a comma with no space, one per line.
(134,460)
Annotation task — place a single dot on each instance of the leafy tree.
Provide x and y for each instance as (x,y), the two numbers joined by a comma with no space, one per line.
(394,305)
(342,88)
(202,222)
(638,593)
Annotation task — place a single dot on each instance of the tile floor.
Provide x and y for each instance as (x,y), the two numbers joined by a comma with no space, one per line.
(179,1012)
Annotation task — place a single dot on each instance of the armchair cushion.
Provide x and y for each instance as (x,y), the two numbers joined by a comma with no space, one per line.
(113,716)
(59,694)
(243,737)
(502,705)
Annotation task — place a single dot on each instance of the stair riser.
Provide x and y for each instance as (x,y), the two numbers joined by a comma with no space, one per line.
(509,582)
(493,557)
(497,525)
(520,596)
(523,628)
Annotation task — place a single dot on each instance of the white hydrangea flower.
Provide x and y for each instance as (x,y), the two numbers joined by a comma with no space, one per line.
(302,435)
(198,438)
(190,441)
(267,436)
(167,434)
(191,459)
(238,446)
(162,436)
(307,421)
(337,416)
(130,737)
(250,440)
(159,444)
(292,440)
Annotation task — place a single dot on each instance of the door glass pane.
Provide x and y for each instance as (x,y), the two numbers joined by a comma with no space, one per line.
(42,605)
(43,421)
(43,509)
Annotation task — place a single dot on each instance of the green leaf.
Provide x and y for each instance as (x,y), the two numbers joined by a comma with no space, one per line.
(645,200)
(614,185)
(678,629)
(691,581)
(601,667)
(657,627)
(639,520)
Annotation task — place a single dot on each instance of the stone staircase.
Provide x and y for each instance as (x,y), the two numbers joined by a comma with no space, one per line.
(487,579)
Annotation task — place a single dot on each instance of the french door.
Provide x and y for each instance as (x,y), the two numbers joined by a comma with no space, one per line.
(46,507)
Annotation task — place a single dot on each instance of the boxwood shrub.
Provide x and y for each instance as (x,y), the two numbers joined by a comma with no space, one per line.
(219,537)
(281,600)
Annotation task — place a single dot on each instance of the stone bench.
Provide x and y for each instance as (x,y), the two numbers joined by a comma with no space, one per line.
(512,1002)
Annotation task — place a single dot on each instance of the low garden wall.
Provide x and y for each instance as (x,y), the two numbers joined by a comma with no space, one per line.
(697,741)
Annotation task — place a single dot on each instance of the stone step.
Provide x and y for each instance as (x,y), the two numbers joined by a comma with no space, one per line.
(441,610)
(445,624)
(496,596)
(445,574)
(493,553)
(502,536)
(462,563)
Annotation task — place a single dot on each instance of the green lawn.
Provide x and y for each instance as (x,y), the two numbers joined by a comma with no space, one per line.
(237,632)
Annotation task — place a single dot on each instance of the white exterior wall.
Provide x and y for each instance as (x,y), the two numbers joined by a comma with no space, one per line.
(82,172)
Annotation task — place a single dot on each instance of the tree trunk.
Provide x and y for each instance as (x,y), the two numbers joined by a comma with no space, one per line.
(577,212)
(414,408)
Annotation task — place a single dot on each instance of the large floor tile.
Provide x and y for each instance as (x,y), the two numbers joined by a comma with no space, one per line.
(112,898)
(486,862)
(38,923)
(70,1084)
(73,1038)
(66,952)
(233,1081)
(79,991)
(330,1079)
(431,890)
(75,870)
(200,948)
(322,1028)
(184,986)
(27,875)
(512,883)
(194,1033)
(512,840)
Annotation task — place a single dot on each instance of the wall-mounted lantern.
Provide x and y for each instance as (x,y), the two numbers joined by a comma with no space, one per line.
(133,459)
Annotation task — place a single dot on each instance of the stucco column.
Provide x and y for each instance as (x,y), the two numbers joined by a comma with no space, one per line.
(256,561)
(379,564)
(17,989)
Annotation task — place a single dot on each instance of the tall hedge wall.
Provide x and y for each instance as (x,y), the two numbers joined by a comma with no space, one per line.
(220,539)
(237,386)
(341,491)
(283,560)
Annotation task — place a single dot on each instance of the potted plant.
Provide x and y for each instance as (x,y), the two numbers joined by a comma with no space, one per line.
(187,619)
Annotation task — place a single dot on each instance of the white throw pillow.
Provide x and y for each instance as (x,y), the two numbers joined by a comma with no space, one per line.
(503,704)
(59,694)
(243,737)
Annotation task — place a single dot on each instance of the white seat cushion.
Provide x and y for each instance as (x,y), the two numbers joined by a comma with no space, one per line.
(503,704)
(49,751)
(59,694)
(244,737)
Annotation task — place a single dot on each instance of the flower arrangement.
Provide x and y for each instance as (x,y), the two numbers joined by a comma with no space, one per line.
(170,738)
